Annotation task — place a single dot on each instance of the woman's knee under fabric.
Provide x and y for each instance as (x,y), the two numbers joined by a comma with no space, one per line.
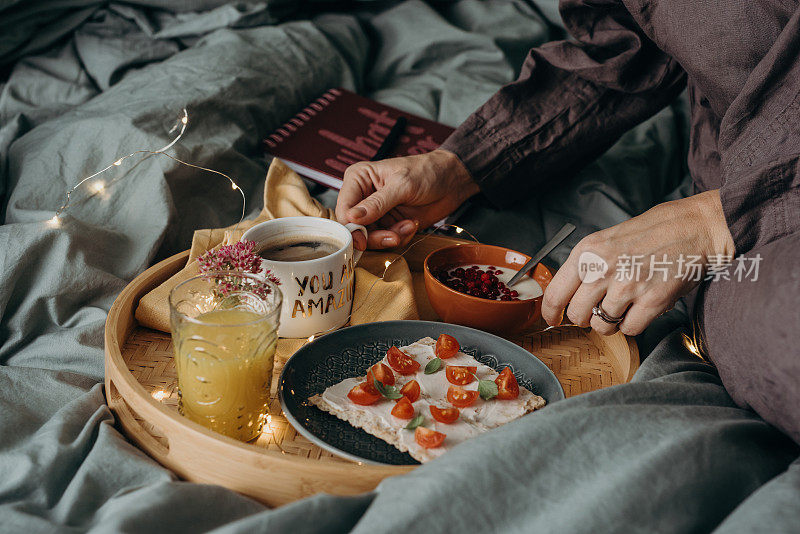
(752,328)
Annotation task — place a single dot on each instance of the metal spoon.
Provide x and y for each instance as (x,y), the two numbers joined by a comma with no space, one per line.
(560,236)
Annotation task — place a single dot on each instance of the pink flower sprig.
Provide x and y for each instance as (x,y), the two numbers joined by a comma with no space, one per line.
(241,257)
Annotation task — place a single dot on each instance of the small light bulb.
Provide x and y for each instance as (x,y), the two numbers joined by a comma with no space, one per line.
(54,221)
(311,338)
(234,186)
(459,229)
(387,264)
(98,187)
(691,345)
(118,162)
(184,119)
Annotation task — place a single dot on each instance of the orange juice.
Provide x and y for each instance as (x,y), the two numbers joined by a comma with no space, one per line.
(224,360)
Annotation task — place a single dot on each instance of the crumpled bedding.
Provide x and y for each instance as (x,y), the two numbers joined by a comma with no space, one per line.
(83,82)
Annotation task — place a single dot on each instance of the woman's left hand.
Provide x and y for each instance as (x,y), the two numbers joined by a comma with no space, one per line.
(650,262)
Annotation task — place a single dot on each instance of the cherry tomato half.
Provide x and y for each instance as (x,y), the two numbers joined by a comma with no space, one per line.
(364,394)
(401,362)
(447,416)
(381,373)
(446,347)
(403,409)
(461,398)
(411,390)
(460,375)
(507,387)
(427,438)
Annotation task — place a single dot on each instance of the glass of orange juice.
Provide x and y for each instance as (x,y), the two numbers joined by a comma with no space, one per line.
(224,332)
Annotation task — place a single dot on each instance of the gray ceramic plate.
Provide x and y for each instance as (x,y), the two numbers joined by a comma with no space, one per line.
(351,351)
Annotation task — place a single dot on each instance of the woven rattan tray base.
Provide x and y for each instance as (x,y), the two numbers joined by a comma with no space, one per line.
(579,364)
(282,466)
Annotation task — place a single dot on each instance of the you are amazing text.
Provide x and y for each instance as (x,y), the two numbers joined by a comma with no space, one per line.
(315,295)
(363,147)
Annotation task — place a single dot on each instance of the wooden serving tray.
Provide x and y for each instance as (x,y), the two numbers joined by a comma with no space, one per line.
(282,466)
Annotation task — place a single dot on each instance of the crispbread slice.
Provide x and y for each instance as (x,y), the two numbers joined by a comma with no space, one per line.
(423,351)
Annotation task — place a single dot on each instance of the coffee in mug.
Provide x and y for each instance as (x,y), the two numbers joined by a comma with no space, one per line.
(314,260)
(300,248)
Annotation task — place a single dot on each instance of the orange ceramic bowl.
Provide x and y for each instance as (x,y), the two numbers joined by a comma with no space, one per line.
(491,315)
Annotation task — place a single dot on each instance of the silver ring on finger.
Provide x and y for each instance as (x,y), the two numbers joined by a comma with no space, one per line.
(598,311)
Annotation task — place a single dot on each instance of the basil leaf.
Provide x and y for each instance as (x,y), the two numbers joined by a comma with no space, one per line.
(487,389)
(433,366)
(417,421)
(390,392)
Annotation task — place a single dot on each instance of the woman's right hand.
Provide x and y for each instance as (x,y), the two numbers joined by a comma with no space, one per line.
(396,197)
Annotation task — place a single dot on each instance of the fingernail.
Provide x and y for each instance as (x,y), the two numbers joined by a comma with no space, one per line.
(407,228)
(389,241)
(358,212)
(560,319)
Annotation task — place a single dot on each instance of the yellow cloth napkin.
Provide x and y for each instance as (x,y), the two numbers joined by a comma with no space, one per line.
(285,195)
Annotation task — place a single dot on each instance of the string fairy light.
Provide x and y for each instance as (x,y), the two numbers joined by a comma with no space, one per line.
(99,186)
(388,263)
(268,434)
(386,266)
(691,345)
(184,120)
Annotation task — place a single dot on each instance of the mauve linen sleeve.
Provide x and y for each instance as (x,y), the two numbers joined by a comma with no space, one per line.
(572,101)
(760,147)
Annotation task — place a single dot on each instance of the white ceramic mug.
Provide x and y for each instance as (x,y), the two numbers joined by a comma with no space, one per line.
(317,293)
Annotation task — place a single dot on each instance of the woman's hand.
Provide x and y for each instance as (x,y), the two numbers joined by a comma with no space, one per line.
(396,197)
(652,260)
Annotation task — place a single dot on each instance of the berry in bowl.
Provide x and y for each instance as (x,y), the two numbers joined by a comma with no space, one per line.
(488,282)
(466,284)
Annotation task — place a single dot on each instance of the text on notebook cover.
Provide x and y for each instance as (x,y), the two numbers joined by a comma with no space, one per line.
(363,147)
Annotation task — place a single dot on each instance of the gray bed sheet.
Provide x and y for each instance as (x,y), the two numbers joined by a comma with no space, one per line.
(88,81)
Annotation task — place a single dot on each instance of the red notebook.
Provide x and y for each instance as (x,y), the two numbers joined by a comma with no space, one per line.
(341,128)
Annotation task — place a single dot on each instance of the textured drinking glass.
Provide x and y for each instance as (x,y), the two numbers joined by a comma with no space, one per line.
(224,332)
